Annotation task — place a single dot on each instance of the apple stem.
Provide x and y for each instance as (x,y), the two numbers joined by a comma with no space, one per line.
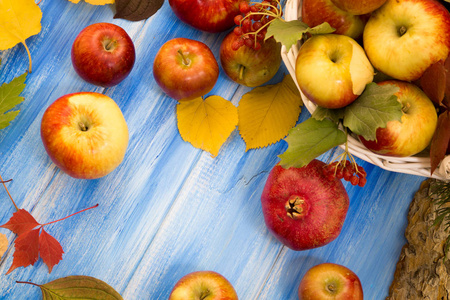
(186,61)
(406,107)
(241,72)
(82,126)
(402,30)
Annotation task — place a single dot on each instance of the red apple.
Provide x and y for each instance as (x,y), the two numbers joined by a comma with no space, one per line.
(404,37)
(358,7)
(203,285)
(418,123)
(332,70)
(247,66)
(302,208)
(85,134)
(315,12)
(103,54)
(330,281)
(206,15)
(185,69)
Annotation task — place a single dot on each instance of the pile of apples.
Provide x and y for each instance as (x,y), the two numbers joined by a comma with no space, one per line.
(386,41)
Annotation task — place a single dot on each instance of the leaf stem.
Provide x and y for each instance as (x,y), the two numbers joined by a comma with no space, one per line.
(27,282)
(29,57)
(10,197)
(71,215)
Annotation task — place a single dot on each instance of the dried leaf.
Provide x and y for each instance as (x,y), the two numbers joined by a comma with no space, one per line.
(26,250)
(440,141)
(267,113)
(3,244)
(19,19)
(206,124)
(77,287)
(50,250)
(433,82)
(9,98)
(137,10)
(21,222)
(95,2)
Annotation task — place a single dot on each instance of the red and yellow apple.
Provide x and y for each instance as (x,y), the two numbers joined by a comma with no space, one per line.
(418,124)
(358,7)
(185,69)
(206,15)
(85,134)
(247,66)
(330,281)
(315,12)
(404,37)
(203,285)
(103,54)
(332,70)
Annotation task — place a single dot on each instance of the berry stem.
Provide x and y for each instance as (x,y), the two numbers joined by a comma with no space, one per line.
(71,215)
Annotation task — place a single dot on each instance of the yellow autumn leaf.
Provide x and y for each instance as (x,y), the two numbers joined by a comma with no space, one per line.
(206,124)
(267,113)
(19,19)
(95,2)
(3,244)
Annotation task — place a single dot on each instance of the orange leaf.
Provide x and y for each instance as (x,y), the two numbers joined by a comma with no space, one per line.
(440,141)
(50,250)
(21,222)
(26,250)
(433,82)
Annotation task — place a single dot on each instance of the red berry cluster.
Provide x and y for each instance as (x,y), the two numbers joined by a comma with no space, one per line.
(253,21)
(346,170)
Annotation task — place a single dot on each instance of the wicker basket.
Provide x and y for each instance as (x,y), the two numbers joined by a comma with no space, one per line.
(415,165)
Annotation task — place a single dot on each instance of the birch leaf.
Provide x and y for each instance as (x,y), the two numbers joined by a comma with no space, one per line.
(267,113)
(206,124)
(19,19)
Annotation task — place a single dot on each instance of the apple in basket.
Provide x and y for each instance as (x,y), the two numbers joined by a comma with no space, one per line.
(185,69)
(203,285)
(358,7)
(404,37)
(332,70)
(206,15)
(85,134)
(315,12)
(418,124)
(330,281)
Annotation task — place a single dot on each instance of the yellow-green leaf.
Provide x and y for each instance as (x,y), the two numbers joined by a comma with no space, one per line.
(266,114)
(19,19)
(95,2)
(207,124)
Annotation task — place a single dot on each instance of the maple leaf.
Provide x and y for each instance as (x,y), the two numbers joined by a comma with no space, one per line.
(206,124)
(267,113)
(19,19)
(9,98)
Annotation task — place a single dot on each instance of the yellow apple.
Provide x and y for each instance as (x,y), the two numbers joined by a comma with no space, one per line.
(332,70)
(85,134)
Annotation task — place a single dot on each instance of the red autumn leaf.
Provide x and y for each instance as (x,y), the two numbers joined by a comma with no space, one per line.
(50,250)
(26,250)
(21,222)
(440,141)
(433,82)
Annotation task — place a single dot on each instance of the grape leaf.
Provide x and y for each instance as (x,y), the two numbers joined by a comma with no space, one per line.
(26,250)
(206,124)
(9,98)
(19,19)
(3,244)
(267,113)
(21,222)
(289,33)
(95,2)
(137,10)
(310,139)
(440,141)
(334,115)
(77,287)
(373,109)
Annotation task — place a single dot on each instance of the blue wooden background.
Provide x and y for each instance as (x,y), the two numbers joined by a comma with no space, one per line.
(170,209)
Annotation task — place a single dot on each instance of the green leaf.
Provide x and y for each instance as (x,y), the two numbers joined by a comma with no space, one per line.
(310,139)
(322,113)
(9,98)
(289,33)
(77,287)
(373,109)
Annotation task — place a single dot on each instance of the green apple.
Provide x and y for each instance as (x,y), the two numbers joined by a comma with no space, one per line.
(332,70)
(404,37)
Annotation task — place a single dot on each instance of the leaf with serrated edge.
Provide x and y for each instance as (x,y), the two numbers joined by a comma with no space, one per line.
(26,250)
(289,33)
(373,109)
(267,113)
(9,98)
(50,250)
(79,287)
(137,10)
(335,115)
(21,222)
(310,139)
(206,124)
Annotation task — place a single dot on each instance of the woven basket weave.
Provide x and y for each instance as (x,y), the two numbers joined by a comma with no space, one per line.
(415,165)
